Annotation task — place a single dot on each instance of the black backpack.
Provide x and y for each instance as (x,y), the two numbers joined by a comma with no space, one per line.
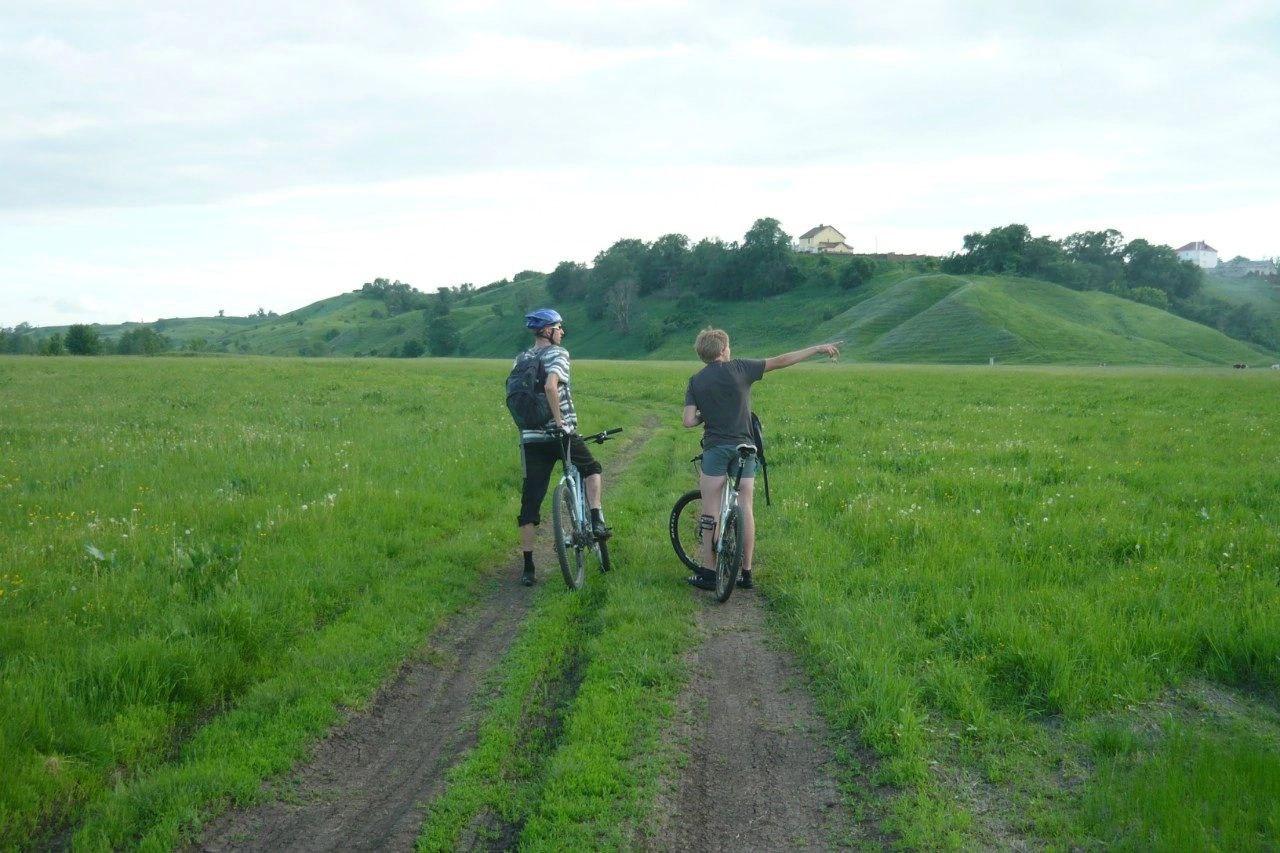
(526,397)
(757,438)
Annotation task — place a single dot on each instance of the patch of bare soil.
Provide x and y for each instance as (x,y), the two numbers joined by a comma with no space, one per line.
(368,783)
(760,773)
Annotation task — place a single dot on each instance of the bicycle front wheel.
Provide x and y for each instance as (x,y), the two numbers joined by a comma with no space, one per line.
(686,536)
(729,560)
(568,553)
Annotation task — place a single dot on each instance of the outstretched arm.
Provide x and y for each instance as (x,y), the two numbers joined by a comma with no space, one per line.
(780,361)
(692,417)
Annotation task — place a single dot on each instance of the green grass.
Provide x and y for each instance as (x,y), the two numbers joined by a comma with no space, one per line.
(1250,290)
(1044,598)
(977,563)
(1202,789)
(204,558)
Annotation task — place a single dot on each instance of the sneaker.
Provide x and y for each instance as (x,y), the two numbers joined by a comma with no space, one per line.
(600,531)
(703,579)
(527,577)
(744,580)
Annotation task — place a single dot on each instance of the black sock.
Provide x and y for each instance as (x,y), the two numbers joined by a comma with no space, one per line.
(597,517)
(528,561)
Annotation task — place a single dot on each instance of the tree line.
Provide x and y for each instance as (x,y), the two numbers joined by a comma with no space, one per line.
(762,264)
(1104,260)
(82,339)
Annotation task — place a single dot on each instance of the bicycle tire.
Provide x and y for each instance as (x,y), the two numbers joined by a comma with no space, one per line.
(571,564)
(729,560)
(683,528)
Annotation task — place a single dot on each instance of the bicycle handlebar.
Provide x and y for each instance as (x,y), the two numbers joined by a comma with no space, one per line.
(598,438)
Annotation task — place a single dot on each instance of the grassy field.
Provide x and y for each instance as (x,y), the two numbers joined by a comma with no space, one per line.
(1043,598)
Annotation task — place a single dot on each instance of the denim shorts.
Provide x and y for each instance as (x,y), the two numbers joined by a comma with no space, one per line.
(716,459)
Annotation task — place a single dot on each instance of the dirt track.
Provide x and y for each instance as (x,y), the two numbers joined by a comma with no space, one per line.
(759,775)
(760,772)
(367,785)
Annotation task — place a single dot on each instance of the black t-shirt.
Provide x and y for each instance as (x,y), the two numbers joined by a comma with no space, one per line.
(722,392)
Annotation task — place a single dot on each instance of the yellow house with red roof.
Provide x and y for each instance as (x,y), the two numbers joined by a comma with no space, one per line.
(825,239)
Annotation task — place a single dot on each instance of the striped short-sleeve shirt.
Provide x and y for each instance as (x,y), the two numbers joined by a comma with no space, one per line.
(554,360)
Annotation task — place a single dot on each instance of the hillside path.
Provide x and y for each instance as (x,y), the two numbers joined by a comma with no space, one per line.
(368,784)
(760,771)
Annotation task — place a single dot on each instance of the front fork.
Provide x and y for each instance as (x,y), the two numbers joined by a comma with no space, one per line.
(581,527)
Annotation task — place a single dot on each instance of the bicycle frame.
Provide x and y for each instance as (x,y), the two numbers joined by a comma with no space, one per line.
(572,480)
(574,532)
(728,500)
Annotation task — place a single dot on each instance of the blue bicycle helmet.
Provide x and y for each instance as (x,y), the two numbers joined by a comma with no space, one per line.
(541,318)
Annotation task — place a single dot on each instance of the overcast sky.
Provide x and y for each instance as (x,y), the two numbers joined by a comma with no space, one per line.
(236,155)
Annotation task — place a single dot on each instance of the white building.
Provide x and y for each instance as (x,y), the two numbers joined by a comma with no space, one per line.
(824,238)
(1199,253)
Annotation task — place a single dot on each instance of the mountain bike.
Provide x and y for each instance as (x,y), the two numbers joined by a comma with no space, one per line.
(686,532)
(571,517)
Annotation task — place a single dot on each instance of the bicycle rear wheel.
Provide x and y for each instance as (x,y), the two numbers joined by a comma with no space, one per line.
(729,560)
(686,536)
(567,550)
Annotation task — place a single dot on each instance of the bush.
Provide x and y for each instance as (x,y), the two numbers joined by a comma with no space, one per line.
(412,349)
(330,334)
(857,273)
(1150,296)
(52,345)
(654,332)
(83,340)
(443,337)
(143,340)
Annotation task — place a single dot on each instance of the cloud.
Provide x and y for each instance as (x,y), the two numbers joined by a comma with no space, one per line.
(140,135)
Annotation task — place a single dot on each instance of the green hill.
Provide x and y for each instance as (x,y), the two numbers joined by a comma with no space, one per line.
(1253,291)
(899,316)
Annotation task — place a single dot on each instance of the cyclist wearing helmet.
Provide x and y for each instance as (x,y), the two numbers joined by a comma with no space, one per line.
(539,451)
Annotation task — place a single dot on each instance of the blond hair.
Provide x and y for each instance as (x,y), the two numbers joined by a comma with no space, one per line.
(710,344)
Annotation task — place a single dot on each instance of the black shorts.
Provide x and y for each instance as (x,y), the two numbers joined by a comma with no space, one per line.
(540,459)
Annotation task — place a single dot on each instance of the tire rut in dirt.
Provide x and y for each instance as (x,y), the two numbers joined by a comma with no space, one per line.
(760,773)
(367,782)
